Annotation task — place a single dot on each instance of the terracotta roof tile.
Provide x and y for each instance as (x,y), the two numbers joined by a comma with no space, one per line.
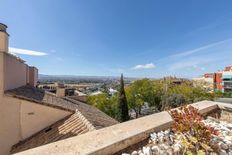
(96,117)
(42,97)
(65,128)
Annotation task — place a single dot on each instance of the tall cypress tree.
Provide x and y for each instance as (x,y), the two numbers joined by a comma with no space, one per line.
(122,107)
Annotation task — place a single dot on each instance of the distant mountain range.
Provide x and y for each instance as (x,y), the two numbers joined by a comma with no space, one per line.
(43,77)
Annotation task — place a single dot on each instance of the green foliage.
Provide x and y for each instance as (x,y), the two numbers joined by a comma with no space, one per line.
(227,94)
(172,101)
(122,106)
(142,91)
(104,103)
(190,93)
(194,134)
(105,89)
(218,94)
(159,94)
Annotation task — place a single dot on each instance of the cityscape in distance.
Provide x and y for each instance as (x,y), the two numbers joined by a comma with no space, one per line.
(115,77)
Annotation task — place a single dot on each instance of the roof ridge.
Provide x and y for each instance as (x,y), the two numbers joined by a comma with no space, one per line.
(85,121)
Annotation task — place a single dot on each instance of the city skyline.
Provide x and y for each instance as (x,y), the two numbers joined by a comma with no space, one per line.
(106,38)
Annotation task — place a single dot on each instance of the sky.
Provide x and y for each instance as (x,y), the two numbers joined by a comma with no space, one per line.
(151,38)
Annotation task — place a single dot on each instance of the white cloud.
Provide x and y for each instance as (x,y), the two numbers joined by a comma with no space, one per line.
(187,53)
(198,58)
(145,66)
(26,52)
(192,63)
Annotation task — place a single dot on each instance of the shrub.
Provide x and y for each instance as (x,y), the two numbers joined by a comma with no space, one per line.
(193,133)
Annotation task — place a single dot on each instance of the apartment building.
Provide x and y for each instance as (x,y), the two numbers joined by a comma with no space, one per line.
(227,79)
(206,82)
(218,86)
(218,81)
(228,68)
(209,75)
(223,80)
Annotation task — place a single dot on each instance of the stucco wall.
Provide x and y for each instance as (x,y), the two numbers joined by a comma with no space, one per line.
(20,119)
(1,74)
(27,74)
(15,72)
(3,42)
(60,92)
(10,122)
(33,76)
(43,115)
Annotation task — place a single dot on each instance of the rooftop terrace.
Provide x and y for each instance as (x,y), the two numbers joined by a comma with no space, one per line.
(113,139)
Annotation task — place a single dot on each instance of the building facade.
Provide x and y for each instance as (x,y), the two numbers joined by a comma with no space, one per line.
(206,82)
(218,86)
(227,80)
(218,81)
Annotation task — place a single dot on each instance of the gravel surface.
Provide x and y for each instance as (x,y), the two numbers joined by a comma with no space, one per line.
(168,143)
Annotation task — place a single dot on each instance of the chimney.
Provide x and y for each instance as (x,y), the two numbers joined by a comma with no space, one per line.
(3,38)
(33,75)
(60,92)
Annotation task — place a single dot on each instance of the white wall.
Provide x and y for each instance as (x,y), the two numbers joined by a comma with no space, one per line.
(20,119)
(43,115)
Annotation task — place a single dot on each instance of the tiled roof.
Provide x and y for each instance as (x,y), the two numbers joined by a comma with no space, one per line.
(65,128)
(96,117)
(84,119)
(42,97)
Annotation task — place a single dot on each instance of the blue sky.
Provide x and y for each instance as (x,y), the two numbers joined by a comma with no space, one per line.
(185,38)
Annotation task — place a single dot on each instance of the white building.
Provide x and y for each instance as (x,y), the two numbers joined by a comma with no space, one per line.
(227,81)
(203,82)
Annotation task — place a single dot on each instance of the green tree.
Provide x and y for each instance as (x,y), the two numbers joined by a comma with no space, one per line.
(172,101)
(134,100)
(159,94)
(142,91)
(105,104)
(122,106)
(159,91)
